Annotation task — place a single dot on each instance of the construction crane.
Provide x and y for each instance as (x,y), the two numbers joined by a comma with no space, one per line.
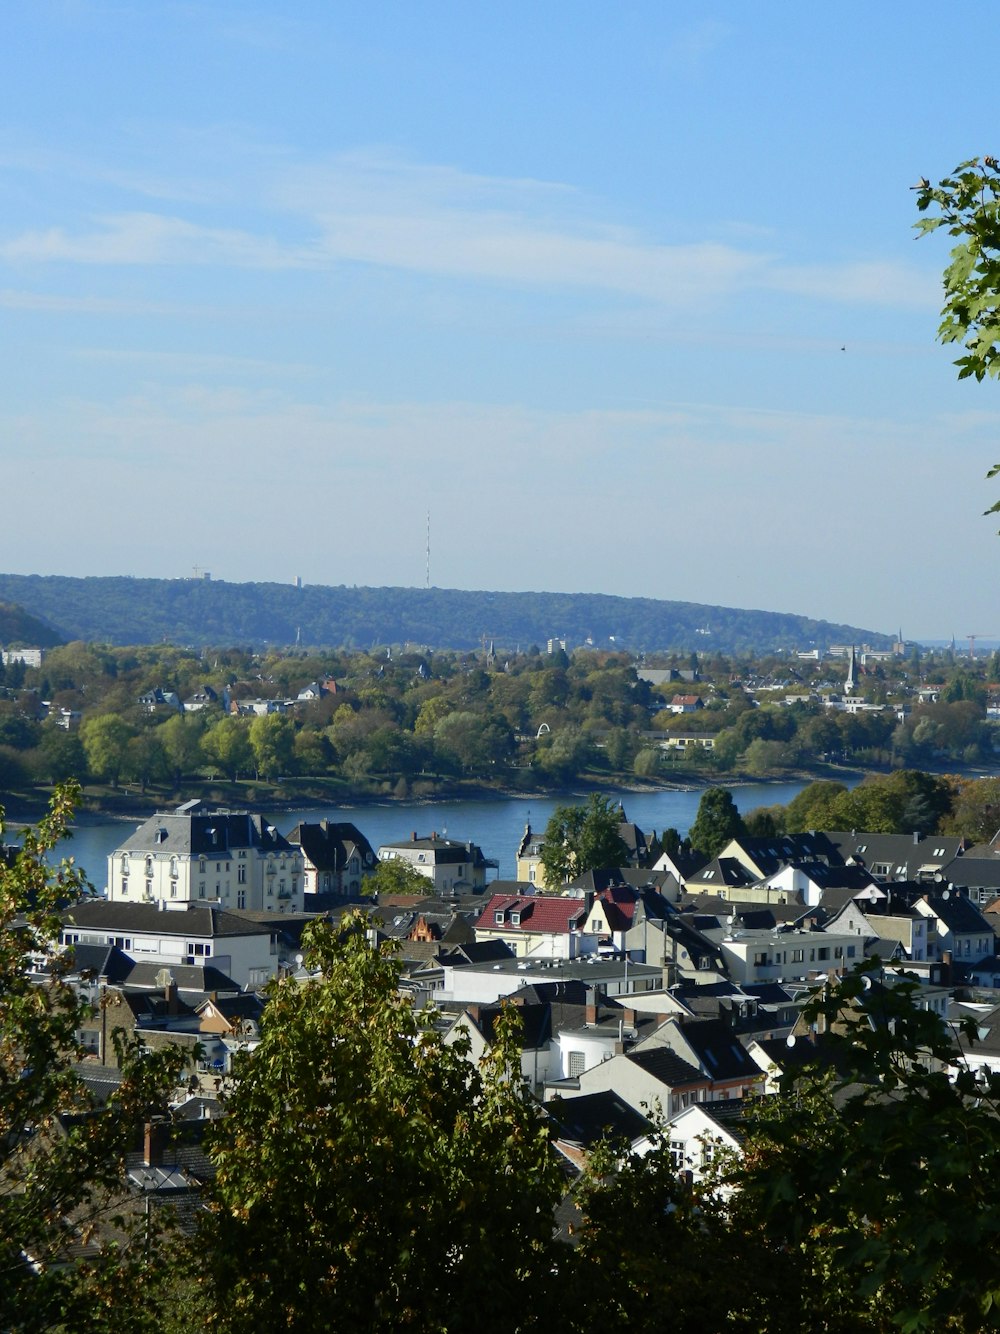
(972,643)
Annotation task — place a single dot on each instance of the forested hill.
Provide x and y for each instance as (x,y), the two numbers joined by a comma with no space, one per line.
(18,628)
(201,612)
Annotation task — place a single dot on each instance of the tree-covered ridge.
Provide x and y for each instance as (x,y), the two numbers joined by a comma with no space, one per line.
(20,629)
(201,612)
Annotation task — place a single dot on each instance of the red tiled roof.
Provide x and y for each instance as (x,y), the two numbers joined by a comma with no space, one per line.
(542,912)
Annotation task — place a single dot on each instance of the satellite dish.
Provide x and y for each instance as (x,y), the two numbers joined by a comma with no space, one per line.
(866,984)
(790,1040)
(299,959)
(946,894)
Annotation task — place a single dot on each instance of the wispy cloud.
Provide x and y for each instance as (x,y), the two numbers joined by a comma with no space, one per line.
(371,208)
(152,238)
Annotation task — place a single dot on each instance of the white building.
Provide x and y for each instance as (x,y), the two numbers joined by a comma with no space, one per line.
(232,858)
(449,865)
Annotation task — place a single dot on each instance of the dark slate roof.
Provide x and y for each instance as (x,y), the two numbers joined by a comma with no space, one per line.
(101,961)
(443,851)
(973,871)
(192,920)
(187,978)
(189,833)
(721,1056)
(729,1114)
(475,952)
(593,1117)
(329,845)
(666,1066)
(906,854)
(536,1024)
(959,914)
(725,872)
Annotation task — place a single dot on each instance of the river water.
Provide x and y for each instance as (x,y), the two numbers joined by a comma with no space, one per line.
(496,824)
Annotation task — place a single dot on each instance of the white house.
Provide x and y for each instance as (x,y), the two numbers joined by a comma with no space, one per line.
(247,951)
(449,865)
(232,858)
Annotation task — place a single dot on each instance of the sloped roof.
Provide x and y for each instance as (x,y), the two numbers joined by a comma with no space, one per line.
(594,1117)
(666,1066)
(330,845)
(192,920)
(188,833)
(550,913)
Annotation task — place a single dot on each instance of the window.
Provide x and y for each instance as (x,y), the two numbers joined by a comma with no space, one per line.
(850,951)
(125,885)
(677,1147)
(498,918)
(760,958)
(241,898)
(823,952)
(838,952)
(241,873)
(577,1063)
(515,919)
(173,868)
(201,889)
(201,866)
(149,866)
(798,956)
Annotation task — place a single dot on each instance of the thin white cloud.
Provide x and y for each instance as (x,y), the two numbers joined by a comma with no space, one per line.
(370,208)
(150,238)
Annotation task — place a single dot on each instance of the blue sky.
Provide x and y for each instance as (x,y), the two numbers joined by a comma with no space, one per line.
(626,295)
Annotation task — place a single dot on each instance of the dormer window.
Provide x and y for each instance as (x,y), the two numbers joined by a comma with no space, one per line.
(498,918)
(515,918)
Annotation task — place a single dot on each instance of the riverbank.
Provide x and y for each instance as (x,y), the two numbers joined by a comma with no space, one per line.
(100,805)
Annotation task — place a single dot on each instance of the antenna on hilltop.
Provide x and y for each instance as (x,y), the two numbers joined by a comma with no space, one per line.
(428,549)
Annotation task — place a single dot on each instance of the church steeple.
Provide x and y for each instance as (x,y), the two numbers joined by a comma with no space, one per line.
(851,684)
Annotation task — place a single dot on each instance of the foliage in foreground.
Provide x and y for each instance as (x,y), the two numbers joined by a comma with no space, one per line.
(61,1161)
(864,1198)
(370,1177)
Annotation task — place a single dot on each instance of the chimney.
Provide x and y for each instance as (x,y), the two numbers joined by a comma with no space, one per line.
(170,996)
(152,1143)
(413,836)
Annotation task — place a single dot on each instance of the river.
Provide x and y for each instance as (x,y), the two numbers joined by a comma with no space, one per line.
(495,824)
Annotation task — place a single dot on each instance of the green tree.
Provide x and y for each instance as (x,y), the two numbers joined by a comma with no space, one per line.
(814,806)
(272,740)
(226,745)
(105,740)
(417,1189)
(716,823)
(396,876)
(181,737)
(61,1156)
(583,838)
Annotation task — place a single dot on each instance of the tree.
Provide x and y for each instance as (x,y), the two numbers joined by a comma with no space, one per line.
(716,823)
(583,838)
(61,1156)
(181,737)
(395,875)
(369,1175)
(272,740)
(862,1199)
(227,745)
(105,741)
(967,204)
